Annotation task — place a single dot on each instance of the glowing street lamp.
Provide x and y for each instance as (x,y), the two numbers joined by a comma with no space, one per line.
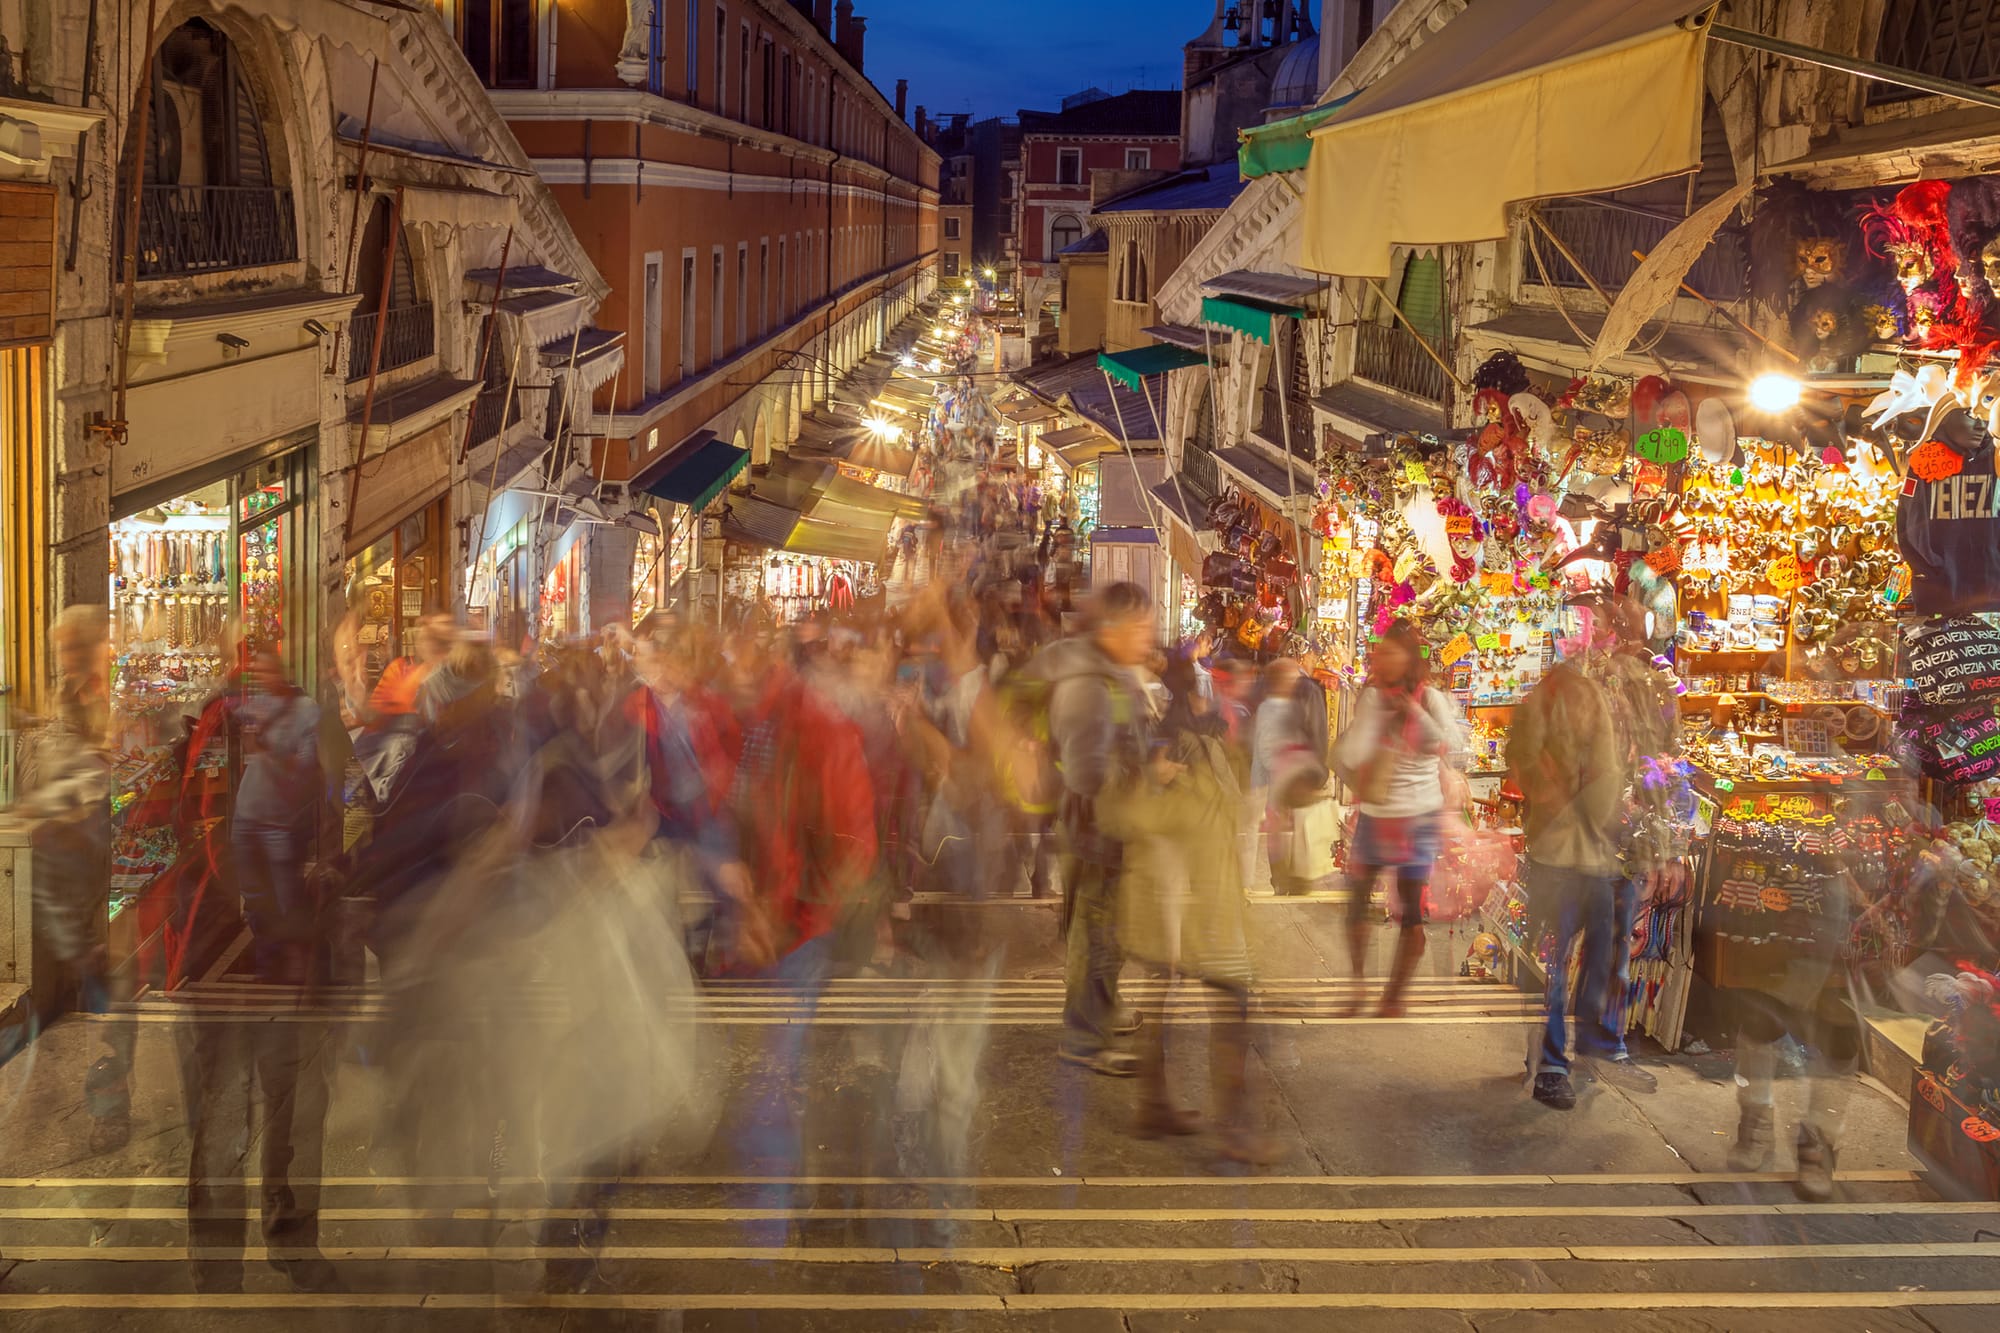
(884,429)
(1774,393)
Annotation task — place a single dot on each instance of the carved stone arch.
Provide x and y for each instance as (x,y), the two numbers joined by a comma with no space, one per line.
(290,93)
(760,440)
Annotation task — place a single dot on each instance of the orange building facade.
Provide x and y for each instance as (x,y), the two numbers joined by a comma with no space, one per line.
(762,212)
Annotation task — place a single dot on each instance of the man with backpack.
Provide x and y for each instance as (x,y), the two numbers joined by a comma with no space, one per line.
(1097,730)
(1576,746)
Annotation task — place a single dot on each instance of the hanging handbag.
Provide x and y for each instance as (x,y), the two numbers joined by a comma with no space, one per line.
(1219,569)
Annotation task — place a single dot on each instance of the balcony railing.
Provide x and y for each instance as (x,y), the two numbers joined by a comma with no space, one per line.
(489,413)
(1391,356)
(409,333)
(1947,39)
(1603,240)
(207,228)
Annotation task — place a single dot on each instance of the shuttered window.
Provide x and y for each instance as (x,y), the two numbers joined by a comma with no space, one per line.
(1421,297)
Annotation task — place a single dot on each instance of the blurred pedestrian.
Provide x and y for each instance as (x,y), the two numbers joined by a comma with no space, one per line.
(1393,755)
(1098,730)
(1563,757)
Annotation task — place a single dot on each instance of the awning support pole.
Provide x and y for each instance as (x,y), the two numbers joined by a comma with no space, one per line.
(1859,68)
(486,341)
(360,196)
(1160,416)
(1291,487)
(1725,312)
(1569,256)
(1125,438)
(1423,342)
(499,447)
(374,362)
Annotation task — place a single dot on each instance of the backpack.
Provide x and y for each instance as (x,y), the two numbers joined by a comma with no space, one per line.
(1027,759)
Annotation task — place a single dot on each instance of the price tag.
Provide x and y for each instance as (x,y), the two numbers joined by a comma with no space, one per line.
(1486,643)
(1792,807)
(1877,775)
(1784,573)
(1993,809)
(1666,444)
(1414,473)
(1459,646)
(1724,784)
(1500,585)
(1458,525)
(1665,560)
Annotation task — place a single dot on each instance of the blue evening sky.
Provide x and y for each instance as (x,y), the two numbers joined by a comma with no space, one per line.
(993,57)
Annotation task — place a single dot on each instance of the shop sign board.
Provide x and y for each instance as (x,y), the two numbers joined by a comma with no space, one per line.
(181,423)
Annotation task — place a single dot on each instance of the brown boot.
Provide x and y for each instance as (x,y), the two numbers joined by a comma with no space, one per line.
(1158,1117)
(1409,951)
(1242,1139)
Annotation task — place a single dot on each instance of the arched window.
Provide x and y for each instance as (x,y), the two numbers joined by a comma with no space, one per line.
(1064,232)
(208,199)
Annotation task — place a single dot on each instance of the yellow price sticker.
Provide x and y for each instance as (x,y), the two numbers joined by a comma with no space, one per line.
(1459,646)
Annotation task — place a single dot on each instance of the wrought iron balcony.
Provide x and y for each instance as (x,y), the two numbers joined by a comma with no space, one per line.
(1603,239)
(1391,356)
(409,334)
(490,412)
(187,229)
(1947,39)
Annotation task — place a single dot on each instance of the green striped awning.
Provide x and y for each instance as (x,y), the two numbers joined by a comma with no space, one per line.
(1247,315)
(1130,368)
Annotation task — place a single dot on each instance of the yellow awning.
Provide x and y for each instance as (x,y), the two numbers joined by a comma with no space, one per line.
(1511,100)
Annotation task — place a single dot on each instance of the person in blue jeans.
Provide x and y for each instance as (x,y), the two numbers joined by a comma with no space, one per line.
(1595,752)
(1563,756)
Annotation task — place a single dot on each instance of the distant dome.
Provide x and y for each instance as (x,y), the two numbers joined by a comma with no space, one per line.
(1297,80)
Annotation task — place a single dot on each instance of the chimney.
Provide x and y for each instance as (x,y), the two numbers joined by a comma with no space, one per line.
(923,125)
(822,17)
(902,99)
(849,32)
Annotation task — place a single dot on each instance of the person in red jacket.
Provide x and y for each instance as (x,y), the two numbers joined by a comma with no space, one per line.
(805,811)
(804,801)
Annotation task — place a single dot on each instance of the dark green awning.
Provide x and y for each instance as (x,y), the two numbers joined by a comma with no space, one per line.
(694,476)
(1247,315)
(1130,368)
(1283,145)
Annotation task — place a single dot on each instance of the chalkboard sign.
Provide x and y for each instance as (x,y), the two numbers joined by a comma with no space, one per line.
(1954,660)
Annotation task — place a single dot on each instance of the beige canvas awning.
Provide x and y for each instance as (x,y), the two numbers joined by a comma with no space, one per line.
(1511,100)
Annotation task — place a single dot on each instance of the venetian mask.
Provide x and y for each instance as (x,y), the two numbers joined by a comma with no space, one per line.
(1989,263)
(1825,324)
(1817,258)
(1913,265)
(1881,322)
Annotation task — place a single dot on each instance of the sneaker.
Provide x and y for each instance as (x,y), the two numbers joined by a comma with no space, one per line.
(1553,1090)
(1106,1060)
(1624,1072)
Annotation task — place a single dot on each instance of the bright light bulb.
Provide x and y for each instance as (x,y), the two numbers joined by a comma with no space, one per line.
(1774,393)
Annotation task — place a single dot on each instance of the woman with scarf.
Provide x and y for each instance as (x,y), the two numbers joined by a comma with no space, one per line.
(1392,756)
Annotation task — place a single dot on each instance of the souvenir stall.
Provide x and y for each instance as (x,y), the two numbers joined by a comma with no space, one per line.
(393,583)
(559,612)
(193,577)
(1251,592)
(1899,289)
